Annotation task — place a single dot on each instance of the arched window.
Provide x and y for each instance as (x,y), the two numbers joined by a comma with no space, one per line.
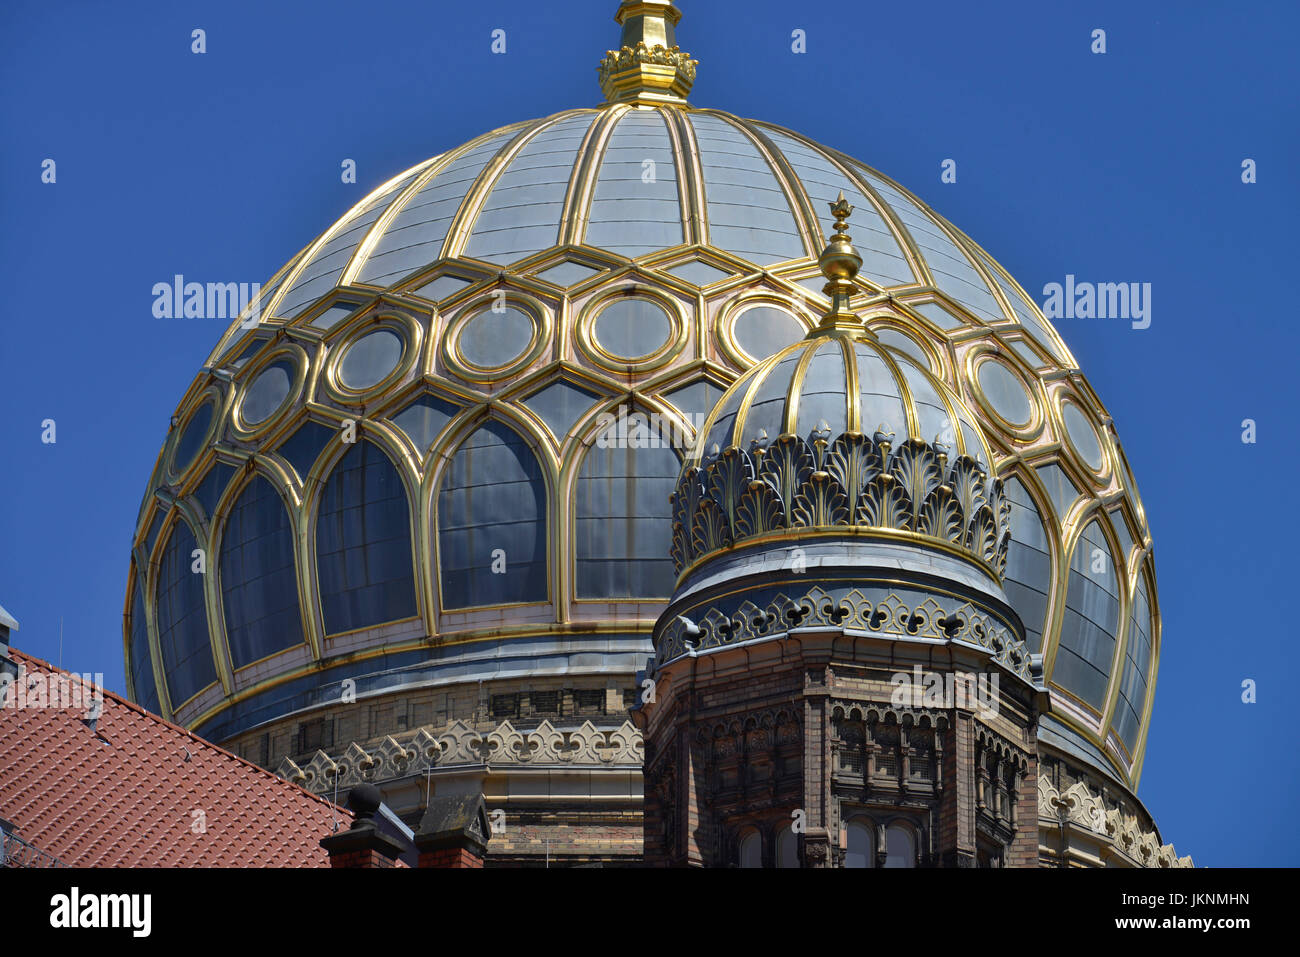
(900,846)
(183,619)
(751,850)
(624,522)
(861,851)
(492,522)
(787,848)
(146,690)
(258,582)
(363,543)
(1083,660)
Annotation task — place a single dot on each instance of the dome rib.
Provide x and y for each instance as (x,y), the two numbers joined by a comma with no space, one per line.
(314,255)
(690,177)
(576,215)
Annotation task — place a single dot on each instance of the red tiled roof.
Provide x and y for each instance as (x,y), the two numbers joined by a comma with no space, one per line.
(123,795)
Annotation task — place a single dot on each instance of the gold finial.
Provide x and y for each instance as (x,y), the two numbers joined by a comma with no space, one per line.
(839,263)
(649,67)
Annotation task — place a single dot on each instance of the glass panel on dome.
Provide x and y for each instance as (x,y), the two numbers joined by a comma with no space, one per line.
(632,328)
(568,273)
(1059,488)
(937,314)
(214,483)
(1022,349)
(699,273)
(1005,392)
(952,270)
(720,431)
(191,440)
(883,261)
(815,285)
(560,405)
(323,272)
(903,343)
(371,359)
(492,511)
(935,424)
(1122,533)
(183,619)
(494,339)
(822,396)
(160,514)
(1083,436)
(335,314)
(303,447)
(258,583)
(363,543)
(635,210)
(766,413)
(1029,317)
(749,215)
(522,213)
(266,393)
(146,689)
(696,400)
(762,331)
(1087,646)
(881,405)
(624,522)
(415,235)
(442,287)
(1028,577)
(424,419)
(1137,661)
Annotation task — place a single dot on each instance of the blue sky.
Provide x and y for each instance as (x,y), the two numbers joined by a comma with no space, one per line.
(1117,167)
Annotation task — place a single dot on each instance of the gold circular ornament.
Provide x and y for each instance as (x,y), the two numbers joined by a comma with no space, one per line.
(371,357)
(631,329)
(495,337)
(269,388)
(760,323)
(188,441)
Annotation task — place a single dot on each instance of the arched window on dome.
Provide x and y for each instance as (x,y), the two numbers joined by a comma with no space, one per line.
(492,522)
(787,847)
(146,689)
(623,521)
(900,846)
(1028,578)
(861,850)
(1087,648)
(750,851)
(363,543)
(1137,662)
(183,619)
(258,582)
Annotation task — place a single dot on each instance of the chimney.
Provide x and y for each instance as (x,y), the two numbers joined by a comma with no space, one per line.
(454,831)
(363,844)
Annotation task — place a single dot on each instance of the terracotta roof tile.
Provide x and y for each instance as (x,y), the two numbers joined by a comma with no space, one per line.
(124,794)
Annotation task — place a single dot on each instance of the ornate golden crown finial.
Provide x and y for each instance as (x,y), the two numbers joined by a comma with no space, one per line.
(839,263)
(649,67)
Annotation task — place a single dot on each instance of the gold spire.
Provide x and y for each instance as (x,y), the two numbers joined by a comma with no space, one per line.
(839,263)
(649,67)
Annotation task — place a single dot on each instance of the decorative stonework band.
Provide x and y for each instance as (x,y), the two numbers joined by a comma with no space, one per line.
(916,616)
(459,745)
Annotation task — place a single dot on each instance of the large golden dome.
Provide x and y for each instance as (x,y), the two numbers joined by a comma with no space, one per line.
(415,404)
